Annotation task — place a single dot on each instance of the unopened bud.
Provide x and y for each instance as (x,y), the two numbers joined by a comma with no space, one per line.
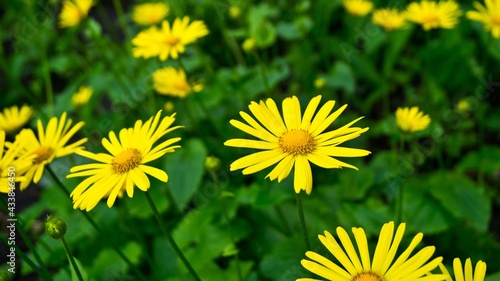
(55,227)
(212,163)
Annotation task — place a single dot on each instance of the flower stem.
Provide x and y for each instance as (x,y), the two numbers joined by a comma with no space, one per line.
(399,216)
(71,259)
(48,82)
(300,209)
(121,17)
(174,245)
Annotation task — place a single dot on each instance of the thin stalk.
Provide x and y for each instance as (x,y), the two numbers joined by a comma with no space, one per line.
(303,227)
(233,45)
(121,17)
(263,72)
(71,259)
(170,239)
(399,216)
(47,81)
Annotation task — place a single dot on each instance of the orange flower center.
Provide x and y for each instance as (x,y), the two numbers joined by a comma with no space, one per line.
(126,160)
(297,142)
(43,154)
(368,276)
(496,20)
(181,86)
(429,19)
(172,40)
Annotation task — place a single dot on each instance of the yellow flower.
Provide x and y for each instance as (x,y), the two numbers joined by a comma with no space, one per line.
(295,140)
(9,164)
(489,16)
(149,13)
(248,45)
(13,118)
(51,144)
(73,11)
(432,14)
(358,7)
(125,165)
(411,120)
(172,82)
(166,41)
(234,12)
(357,266)
(479,272)
(82,96)
(319,83)
(389,19)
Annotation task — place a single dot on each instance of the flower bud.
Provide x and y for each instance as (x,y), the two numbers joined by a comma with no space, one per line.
(212,163)
(55,227)
(248,45)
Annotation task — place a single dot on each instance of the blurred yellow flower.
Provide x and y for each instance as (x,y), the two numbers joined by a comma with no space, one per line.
(172,82)
(82,96)
(384,265)
(124,166)
(489,16)
(168,42)
(477,275)
(73,11)
(10,163)
(319,83)
(149,13)
(358,7)
(463,106)
(234,12)
(411,120)
(51,144)
(294,140)
(248,45)
(389,19)
(13,118)
(431,14)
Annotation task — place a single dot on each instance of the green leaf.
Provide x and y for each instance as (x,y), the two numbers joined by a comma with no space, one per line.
(354,184)
(74,276)
(283,263)
(485,160)
(185,170)
(341,77)
(138,205)
(108,264)
(264,33)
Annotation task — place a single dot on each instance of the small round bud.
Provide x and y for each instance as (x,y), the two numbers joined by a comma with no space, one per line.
(234,12)
(55,227)
(248,45)
(169,107)
(319,83)
(212,163)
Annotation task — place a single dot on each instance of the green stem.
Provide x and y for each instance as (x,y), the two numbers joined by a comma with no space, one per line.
(303,227)
(282,217)
(233,45)
(399,216)
(121,17)
(263,72)
(48,82)
(96,227)
(174,245)
(71,259)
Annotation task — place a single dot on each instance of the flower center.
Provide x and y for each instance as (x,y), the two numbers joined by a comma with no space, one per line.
(368,276)
(496,20)
(126,160)
(43,153)
(297,142)
(429,19)
(172,40)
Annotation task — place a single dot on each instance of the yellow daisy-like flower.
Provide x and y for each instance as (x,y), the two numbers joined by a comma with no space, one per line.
(73,11)
(82,96)
(479,271)
(489,16)
(432,14)
(172,82)
(51,144)
(165,42)
(411,120)
(357,266)
(125,165)
(389,19)
(13,118)
(150,13)
(12,168)
(358,7)
(294,140)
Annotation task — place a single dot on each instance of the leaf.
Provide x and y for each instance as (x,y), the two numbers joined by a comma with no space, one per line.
(138,205)
(354,184)
(341,77)
(108,264)
(283,263)
(74,276)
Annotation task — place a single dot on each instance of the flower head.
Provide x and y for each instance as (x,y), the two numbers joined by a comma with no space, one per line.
(248,45)
(319,83)
(11,164)
(384,266)
(479,272)
(294,140)
(389,19)
(489,16)
(73,11)
(234,12)
(124,166)
(358,7)
(13,118)
(149,13)
(432,14)
(50,144)
(411,120)
(82,96)
(172,82)
(167,42)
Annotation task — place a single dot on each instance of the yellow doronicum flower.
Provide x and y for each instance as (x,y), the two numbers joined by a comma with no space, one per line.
(477,275)
(149,13)
(168,41)
(489,16)
(12,167)
(248,45)
(73,11)
(82,96)
(50,144)
(358,7)
(389,19)
(352,265)
(294,140)
(126,163)
(319,83)
(13,118)
(234,12)
(431,14)
(172,82)
(411,120)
